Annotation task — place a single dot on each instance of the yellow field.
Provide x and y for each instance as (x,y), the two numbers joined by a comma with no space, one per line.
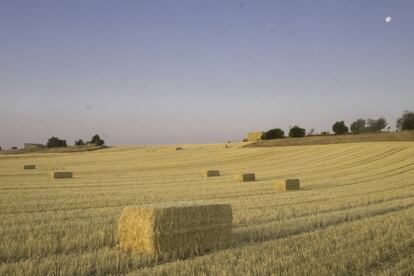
(354,214)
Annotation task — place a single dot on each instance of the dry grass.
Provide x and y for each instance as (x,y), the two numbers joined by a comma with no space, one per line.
(175,231)
(69,149)
(354,214)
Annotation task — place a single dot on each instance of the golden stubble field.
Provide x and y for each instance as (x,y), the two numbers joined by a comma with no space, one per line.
(354,214)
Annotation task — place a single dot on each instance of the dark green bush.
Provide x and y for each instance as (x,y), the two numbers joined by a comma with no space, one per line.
(275,133)
(340,128)
(297,131)
(406,121)
(55,142)
(358,126)
(79,142)
(376,125)
(96,140)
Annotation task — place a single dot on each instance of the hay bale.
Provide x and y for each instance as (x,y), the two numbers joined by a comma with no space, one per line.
(29,167)
(60,175)
(254,136)
(175,231)
(210,173)
(178,148)
(283,185)
(246,177)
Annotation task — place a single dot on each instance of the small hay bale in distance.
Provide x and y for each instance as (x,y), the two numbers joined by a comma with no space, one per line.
(284,185)
(60,175)
(29,167)
(175,231)
(210,173)
(178,148)
(245,177)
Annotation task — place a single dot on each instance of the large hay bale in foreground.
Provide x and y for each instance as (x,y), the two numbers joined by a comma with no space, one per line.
(175,231)
(283,185)
(246,177)
(210,173)
(29,167)
(60,175)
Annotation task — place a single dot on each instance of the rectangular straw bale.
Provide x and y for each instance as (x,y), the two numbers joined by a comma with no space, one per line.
(283,185)
(254,136)
(246,177)
(60,174)
(209,173)
(178,148)
(29,167)
(175,231)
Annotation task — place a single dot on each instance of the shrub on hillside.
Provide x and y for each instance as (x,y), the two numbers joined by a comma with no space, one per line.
(96,140)
(55,142)
(297,131)
(406,121)
(275,133)
(79,142)
(340,128)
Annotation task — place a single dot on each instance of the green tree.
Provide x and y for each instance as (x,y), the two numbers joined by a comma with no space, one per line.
(297,131)
(274,133)
(376,125)
(55,142)
(79,142)
(340,128)
(96,140)
(358,126)
(406,121)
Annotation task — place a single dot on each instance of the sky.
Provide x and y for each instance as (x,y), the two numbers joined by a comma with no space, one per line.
(168,72)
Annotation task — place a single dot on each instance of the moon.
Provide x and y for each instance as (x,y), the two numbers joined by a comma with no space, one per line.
(388,19)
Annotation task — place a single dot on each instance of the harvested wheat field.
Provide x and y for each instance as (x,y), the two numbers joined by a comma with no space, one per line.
(353,214)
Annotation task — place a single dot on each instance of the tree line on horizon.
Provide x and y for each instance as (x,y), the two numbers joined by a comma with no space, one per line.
(55,142)
(405,122)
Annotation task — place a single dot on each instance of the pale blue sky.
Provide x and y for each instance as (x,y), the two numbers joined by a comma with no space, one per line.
(141,72)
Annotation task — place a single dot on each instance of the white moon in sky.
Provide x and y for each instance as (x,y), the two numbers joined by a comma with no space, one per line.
(388,19)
